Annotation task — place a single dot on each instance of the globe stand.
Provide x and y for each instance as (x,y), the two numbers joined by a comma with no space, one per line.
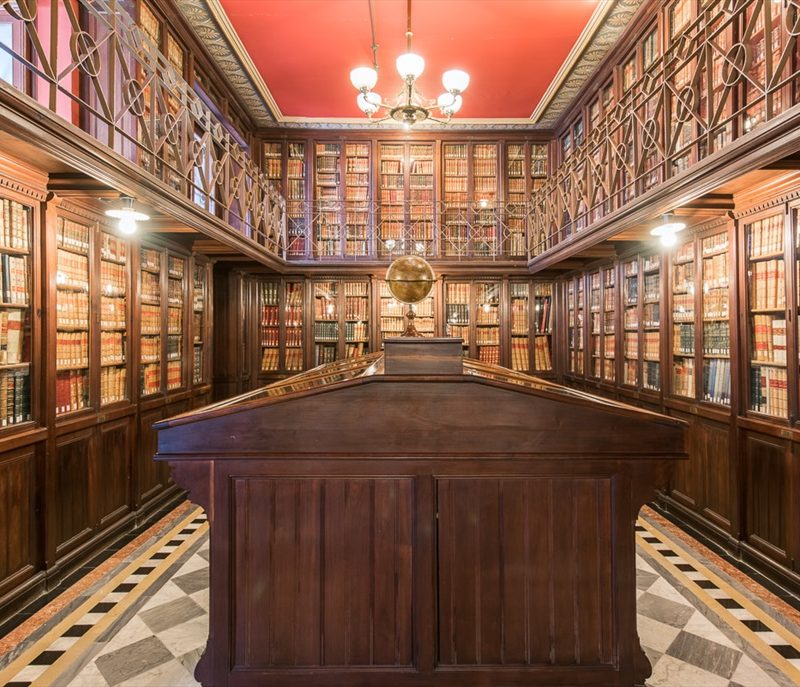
(411,330)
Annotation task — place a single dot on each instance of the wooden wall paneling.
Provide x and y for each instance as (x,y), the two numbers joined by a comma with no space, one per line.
(768,495)
(149,480)
(112,471)
(490,611)
(72,489)
(20,512)
(304,574)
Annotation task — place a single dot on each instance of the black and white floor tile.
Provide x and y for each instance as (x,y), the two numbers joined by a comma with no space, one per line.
(697,628)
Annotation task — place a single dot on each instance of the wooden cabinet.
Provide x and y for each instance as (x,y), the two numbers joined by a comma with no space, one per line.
(342,311)
(281,328)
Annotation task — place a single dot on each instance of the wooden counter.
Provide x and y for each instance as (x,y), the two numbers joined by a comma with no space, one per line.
(438,524)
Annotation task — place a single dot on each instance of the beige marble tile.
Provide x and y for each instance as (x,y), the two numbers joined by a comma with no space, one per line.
(187,636)
(169,591)
(702,627)
(749,674)
(665,590)
(89,676)
(171,673)
(670,672)
(131,632)
(201,598)
(654,634)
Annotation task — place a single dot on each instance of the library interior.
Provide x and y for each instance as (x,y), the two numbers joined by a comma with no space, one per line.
(445,343)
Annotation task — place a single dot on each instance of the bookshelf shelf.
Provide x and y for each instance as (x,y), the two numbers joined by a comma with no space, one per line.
(595,325)
(609,323)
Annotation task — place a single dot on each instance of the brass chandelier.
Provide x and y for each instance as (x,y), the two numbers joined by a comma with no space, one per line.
(409,106)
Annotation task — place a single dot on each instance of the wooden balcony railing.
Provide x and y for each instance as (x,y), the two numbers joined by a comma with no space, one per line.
(724,76)
(88,62)
(364,231)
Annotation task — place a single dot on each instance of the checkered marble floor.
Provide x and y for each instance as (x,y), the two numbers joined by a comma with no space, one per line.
(697,629)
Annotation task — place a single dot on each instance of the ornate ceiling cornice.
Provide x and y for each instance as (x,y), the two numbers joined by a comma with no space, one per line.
(202,21)
(208,20)
(614,23)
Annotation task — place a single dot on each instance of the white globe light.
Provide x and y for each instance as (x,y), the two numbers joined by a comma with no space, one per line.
(669,239)
(455,80)
(364,78)
(368,103)
(127,225)
(449,104)
(410,66)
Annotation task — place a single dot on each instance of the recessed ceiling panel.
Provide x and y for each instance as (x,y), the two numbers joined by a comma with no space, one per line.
(305,49)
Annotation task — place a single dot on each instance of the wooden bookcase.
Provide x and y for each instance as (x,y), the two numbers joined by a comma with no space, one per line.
(357,198)
(16,322)
(327,199)
(575,325)
(767,314)
(285,164)
(406,198)
(341,310)
(201,321)
(471,190)
(530,327)
(609,345)
(392,314)
(651,322)
(281,330)
(474,312)
(631,319)
(115,318)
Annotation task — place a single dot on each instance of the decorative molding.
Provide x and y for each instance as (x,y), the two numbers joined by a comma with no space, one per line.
(77,209)
(614,22)
(211,24)
(21,188)
(203,23)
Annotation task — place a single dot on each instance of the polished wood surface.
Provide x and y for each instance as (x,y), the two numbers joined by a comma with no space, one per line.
(447,529)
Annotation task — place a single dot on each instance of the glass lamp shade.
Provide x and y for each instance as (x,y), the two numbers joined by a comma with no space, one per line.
(368,102)
(455,80)
(449,104)
(410,66)
(363,78)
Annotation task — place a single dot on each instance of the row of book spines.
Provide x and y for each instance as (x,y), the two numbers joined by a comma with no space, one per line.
(113,384)
(72,391)
(15,227)
(151,287)
(72,309)
(15,397)
(72,349)
(652,375)
(765,236)
(683,377)
(150,319)
(651,343)
(150,259)
(769,339)
(112,348)
(176,267)
(767,285)
(270,337)
(356,350)
(12,346)
(769,390)
(73,270)
(72,235)
(174,374)
(150,378)
(150,349)
(174,320)
(324,353)
(113,279)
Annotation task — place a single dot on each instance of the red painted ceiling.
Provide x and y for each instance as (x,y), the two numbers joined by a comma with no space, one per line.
(512,49)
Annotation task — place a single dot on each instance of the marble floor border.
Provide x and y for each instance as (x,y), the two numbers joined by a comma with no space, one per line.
(58,647)
(760,630)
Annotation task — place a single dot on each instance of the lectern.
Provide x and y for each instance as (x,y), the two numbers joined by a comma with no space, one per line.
(416,518)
